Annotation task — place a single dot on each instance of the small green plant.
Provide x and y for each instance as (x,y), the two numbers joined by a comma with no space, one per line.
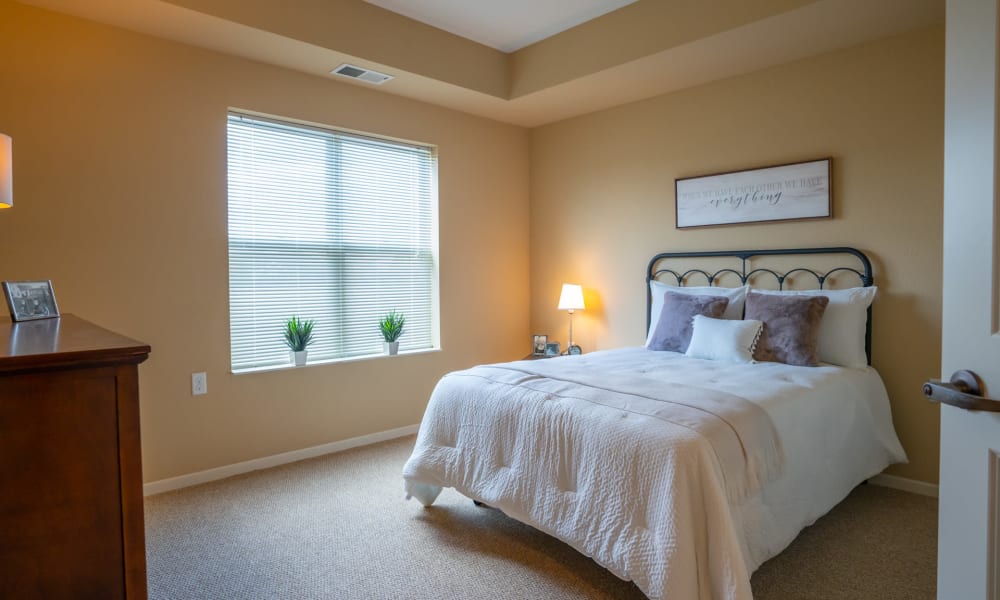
(392,326)
(298,334)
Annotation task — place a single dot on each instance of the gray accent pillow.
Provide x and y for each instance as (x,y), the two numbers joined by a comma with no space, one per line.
(791,327)
(673,330)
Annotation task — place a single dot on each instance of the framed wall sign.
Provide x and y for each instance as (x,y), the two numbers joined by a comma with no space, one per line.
(779,193)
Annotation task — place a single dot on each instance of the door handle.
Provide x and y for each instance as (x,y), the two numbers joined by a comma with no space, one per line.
(965,390)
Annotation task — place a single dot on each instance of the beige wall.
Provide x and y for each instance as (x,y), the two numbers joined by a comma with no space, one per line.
(630,33)
(602,199)
(362,29)
(120,199)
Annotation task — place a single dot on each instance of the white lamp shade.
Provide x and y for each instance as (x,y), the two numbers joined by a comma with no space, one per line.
(6,172)
(571,297)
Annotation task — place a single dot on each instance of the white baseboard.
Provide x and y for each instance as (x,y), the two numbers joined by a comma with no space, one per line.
(174,483)
(907,485)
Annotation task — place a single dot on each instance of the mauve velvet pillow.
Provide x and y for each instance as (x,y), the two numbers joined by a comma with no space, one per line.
(673,330)
(791,327)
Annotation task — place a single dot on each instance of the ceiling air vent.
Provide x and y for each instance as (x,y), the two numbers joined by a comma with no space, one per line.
(366,75)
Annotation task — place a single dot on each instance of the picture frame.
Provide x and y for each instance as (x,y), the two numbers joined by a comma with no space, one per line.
(574,350)
(538,343)
(30,300)
(552,349)
(786,192)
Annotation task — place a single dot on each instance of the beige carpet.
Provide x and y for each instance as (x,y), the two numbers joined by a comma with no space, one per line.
(338,527)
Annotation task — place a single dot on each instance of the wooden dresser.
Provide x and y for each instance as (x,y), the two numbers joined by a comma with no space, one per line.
(71,522)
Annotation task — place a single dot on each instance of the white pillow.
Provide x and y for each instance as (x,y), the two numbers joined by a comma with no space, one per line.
(734,310)
(842,330)
(724,339)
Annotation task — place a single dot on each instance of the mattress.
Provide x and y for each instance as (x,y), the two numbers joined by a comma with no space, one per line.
(629,456)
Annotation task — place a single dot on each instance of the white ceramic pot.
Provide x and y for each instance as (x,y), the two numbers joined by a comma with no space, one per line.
(391,348)
(299,358)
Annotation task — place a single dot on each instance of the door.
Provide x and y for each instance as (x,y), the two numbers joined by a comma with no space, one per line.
(970,440)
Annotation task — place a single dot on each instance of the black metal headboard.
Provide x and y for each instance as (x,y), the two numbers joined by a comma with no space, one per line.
(747,271)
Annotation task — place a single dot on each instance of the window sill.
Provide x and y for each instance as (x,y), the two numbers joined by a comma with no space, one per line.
(332,361)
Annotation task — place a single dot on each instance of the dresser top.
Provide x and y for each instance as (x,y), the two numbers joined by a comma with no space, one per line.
(64,342)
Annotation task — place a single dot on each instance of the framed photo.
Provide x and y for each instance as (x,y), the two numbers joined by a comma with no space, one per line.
(574,350)
(552,349)
(538,343)
(779,193)
(30,300)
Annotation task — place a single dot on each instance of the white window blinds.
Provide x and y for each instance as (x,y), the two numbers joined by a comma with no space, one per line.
(329,226)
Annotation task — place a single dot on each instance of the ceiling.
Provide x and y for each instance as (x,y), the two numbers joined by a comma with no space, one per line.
(508,25)
(643,49)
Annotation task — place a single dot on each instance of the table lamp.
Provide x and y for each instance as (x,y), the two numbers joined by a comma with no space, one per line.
(6,172)
(571,299)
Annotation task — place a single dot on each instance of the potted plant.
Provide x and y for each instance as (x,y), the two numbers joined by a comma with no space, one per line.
(392,327)
(298,335)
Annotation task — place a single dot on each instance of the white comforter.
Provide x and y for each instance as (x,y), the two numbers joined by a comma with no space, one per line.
(683,491)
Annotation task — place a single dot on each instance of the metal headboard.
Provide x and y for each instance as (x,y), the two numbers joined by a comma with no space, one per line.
(745,273)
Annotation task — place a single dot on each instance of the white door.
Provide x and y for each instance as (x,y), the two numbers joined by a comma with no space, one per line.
(970,440)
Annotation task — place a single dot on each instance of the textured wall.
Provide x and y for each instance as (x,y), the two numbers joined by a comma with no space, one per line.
(602,199)
(120,186)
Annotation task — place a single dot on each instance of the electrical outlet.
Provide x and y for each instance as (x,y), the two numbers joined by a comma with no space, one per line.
(199,384)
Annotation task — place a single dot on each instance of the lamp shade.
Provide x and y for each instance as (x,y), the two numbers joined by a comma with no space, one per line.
(571,297)
(6,172)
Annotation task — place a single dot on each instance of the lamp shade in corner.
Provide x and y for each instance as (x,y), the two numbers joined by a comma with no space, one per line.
(571,297)
(6,172)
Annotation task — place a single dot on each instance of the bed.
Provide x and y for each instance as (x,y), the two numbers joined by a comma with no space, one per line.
(679,472)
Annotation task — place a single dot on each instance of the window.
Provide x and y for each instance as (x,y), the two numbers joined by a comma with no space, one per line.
(331,226)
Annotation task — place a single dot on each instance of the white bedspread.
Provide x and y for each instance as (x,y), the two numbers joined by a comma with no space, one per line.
(668,471)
